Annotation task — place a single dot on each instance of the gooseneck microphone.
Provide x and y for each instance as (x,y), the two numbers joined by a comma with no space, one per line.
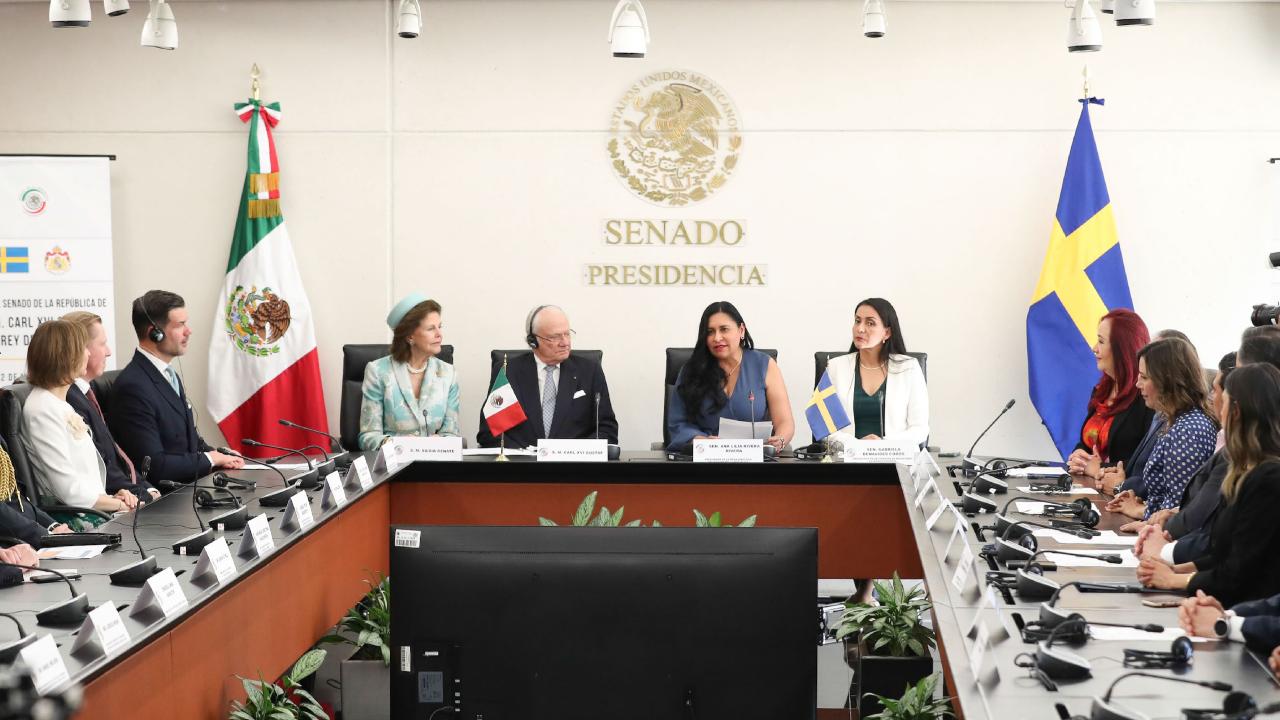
(1114,559)
(136,573)
(967,463)
(597,416)
(751,397)
(307,480)
(1103,709)
(335,446)
(69,612)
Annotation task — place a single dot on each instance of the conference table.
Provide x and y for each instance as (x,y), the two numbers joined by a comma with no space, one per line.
(258,622)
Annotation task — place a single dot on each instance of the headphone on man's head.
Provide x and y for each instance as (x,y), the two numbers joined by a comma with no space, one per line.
(530,339)
(155,333)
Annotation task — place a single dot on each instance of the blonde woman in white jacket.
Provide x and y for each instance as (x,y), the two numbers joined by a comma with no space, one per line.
(881,388)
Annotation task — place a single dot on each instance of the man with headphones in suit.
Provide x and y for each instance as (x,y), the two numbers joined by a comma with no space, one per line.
(150,413)
(558,390)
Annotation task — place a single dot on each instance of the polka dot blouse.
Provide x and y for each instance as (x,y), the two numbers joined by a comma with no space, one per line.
(1177,455)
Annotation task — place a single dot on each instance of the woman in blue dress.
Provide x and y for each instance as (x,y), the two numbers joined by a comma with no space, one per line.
(726,377)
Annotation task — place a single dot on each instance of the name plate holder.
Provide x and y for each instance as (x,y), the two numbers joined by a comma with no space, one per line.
(102,633)
(256,541)
(333,496)
(960,578)
(215,566)
(880,451)
(161,597)
(978,652)
(929,487)
(48,671)
(358,477)
(991,600)
(426,449)
(731,451)
(588,450)
(297,514)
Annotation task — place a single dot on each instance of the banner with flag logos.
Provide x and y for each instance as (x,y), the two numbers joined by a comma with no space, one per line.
(1082,279)
(55,249)
(263,361)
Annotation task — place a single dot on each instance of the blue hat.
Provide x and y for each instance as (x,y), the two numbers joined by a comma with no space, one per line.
(403,307)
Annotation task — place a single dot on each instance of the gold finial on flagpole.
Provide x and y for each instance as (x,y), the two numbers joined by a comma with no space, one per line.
(254,74)
(1085,73)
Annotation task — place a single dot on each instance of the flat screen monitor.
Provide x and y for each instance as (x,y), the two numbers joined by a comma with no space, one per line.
(569,623)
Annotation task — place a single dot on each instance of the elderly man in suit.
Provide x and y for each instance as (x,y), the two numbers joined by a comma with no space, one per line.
(150,413)
(556,388)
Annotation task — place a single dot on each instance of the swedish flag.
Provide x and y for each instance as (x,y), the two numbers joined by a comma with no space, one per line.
(824,411)
(1083,278)
(14,260)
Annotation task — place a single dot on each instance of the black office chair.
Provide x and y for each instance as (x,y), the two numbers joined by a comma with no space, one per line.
(103,388)
(495,359)
(676,360)
(820,360)
(12,398)
(354,360)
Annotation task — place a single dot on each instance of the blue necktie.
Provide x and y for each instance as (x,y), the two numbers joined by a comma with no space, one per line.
(548,400)
(173,380)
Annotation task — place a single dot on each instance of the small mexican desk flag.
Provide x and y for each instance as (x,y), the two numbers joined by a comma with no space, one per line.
(263,364)
(501,409)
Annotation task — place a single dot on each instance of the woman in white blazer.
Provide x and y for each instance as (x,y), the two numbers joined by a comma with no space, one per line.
(66,463)
(881,388)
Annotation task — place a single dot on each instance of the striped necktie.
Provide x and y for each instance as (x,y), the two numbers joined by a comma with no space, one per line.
(548,400)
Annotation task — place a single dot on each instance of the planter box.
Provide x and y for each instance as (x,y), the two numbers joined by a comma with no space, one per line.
(366,690)
(888,676)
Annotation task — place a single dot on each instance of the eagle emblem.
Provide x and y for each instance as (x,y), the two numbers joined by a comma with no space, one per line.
(676,138)
(257,320)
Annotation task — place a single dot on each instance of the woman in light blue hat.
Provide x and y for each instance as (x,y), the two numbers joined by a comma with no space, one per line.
(410,391)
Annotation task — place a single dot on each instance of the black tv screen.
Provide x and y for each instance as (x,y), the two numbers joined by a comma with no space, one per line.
(562,623)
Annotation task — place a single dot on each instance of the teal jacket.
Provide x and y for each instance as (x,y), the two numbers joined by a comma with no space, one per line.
(388,406)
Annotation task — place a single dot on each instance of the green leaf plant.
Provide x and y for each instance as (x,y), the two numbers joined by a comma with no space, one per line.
(269,701)
(916,703)
(583,517)
(369,622)
(893,627)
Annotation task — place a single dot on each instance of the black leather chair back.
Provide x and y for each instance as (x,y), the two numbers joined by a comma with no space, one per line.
(676,360)
(354,360)
(495,360)
(102,389)
(12,398)
(820,360)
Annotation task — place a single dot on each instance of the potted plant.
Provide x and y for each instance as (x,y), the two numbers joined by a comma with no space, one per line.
(366,675)
(917,703)
(894,646)
(269,701)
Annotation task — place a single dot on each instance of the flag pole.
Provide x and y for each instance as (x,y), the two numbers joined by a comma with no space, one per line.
(502,436)
(1085,73)
(255,87)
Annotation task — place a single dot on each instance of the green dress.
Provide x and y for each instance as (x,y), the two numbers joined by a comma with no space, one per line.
(867,409)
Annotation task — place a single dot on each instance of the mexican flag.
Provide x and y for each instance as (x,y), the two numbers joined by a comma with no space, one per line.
(263,364)
(501,409)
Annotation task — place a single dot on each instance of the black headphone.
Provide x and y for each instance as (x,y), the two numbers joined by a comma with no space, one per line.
(1235,705)
(221,480)
(155,333)
(1179,655)
(1062,484)
(205,498)
(530,339)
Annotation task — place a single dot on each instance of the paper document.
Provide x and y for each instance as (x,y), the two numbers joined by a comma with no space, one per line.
(71,552)
(494,451)
(1127,560)
(1118,634)
(739,430)
(280,466)
(1035,472)
(1107,537)
(1075,490)
(836,588)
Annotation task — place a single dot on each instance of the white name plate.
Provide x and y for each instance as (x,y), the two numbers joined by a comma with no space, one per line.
(215,565)
(162,592)
(101,633)
(257,540)
(297,514)
(426,449)
(358,475)
(573,450)
(719,450)
(44,661)
(880,451)
(334,496)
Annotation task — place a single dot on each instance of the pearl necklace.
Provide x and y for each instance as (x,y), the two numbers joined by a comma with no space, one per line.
(417,371)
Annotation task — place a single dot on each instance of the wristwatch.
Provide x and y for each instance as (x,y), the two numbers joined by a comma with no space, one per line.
(1222,627)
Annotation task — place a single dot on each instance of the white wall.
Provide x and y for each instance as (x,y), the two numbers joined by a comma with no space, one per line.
(923,167)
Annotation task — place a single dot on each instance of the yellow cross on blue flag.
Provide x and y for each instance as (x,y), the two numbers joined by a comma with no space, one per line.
(1083,278)
(14,260)
(824,411)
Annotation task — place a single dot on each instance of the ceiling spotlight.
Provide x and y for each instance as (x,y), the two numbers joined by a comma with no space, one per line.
(1135,12)
(1083,32)
(69,13)
(115,7)
(160,30)
(1107,6)
(629,30)
(873,21)
(410,18)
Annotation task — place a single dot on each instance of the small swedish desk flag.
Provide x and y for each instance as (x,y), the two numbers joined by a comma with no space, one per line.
(1083,278)
(824,411)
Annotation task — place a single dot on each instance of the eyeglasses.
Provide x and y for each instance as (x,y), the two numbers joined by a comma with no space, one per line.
(560,337)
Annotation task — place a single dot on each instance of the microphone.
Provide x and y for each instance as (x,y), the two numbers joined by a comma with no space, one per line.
(69,612)
(751,397)
(1112,558)
(280,497)
(967,463)
(597,416)
(335,446)
(1024,545)
(9,650)
(136,573)
(307,480)
(1102,709)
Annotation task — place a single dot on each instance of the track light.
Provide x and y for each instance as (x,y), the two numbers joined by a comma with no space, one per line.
(873,20)
(161,29)
(410,19)
(1083,32)
(69,13)
(115,8)
(1135,12)
(629,30)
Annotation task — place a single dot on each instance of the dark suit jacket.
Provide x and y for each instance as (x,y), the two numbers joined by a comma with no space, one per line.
(1244,543)
(117,474)
(1127,430)
(21,518)
(1262,623)
(1201,499)
(575,414)
(149,420)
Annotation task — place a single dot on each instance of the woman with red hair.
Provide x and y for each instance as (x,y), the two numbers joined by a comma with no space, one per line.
(1118,418)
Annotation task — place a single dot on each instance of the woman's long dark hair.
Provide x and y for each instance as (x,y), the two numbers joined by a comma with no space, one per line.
(1252,423)
(703,378)
(889,318)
